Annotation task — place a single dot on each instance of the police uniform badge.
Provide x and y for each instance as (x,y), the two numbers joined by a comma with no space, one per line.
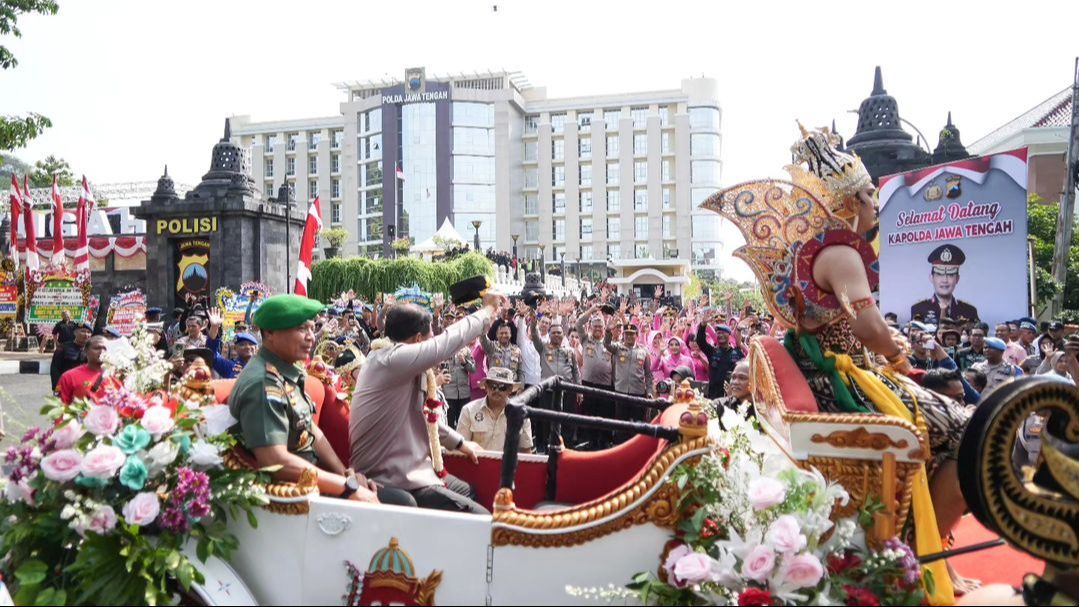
(550,357)
(934,192)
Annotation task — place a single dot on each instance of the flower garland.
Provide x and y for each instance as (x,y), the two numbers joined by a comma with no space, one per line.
(755,530)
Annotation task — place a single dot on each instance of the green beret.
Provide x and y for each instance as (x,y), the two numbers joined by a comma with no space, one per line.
(285,312)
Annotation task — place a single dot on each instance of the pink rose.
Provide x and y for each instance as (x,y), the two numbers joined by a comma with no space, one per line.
(673,557)
(102,420)
(102,521)
(765,492)
(102,462)
(66,435)
(785,535)
(759,563)
(142,509)
(802,571)
(696,568)
(157,420)
(61,466)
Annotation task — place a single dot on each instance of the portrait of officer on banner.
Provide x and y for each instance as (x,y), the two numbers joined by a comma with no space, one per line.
(944,263)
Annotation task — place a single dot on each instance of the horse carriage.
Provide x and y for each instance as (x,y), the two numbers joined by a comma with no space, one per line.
(561,519)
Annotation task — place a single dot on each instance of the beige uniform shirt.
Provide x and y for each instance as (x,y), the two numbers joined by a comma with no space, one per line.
(481,425)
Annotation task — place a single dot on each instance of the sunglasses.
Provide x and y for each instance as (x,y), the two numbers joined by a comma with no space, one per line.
(945,271)
(499,387)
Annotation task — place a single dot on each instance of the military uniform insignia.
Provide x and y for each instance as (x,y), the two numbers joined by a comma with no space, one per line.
(550,358)
(622,358)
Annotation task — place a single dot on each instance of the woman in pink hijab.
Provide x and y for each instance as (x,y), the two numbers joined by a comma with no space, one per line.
(675,357)
(655,344)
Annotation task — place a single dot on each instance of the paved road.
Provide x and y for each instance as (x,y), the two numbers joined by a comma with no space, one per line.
(21,397)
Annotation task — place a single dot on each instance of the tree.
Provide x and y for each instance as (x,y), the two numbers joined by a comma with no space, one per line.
(16,131)
(1042,228)
(41,177)
(10,165)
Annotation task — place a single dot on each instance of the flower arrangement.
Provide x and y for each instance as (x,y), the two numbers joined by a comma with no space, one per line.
(100,506)
(756,530)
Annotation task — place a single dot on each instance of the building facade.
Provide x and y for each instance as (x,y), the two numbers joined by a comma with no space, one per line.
(614,176)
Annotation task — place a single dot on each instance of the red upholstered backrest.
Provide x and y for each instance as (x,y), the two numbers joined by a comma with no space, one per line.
(791,383)
(333,421)
(530,486)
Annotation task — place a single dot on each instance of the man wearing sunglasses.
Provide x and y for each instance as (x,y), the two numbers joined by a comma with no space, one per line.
(483,421)
(944,264)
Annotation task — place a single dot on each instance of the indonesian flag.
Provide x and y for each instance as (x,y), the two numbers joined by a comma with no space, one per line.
(82,250)
(57,225)
(400,172)
(16,205)
(32,261)
(307,247)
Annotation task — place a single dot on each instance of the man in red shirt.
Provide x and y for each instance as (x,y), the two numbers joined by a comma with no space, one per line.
(86,380)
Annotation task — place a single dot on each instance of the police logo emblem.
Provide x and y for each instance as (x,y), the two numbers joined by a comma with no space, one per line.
(946,255)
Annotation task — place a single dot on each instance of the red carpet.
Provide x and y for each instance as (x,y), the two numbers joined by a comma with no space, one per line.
(1001,565)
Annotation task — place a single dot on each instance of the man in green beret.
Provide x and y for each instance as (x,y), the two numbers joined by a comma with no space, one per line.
(275,413)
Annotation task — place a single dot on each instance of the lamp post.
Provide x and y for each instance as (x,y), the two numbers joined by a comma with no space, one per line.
(476,224)
(516,264)
(543,263)
(562,267)
(284,198)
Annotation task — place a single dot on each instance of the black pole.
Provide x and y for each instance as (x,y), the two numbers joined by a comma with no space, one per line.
(947,554)
(283,198)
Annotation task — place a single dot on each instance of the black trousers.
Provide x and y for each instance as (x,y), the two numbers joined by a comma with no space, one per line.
(453,413)
(596,407)
(455,496)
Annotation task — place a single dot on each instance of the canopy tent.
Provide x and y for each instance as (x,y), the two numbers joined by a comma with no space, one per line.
(446,236)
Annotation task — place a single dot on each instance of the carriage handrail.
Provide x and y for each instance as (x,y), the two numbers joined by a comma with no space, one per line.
(518,409)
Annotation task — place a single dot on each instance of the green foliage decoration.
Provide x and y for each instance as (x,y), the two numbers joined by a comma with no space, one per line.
(369,277)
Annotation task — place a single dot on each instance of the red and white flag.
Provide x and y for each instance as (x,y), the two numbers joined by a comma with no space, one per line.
(400,171)
(16,206)
(82,250)
(32,260)
(57,226)
(307,247)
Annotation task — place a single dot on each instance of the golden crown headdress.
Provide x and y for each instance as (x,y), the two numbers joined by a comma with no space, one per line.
(841,175)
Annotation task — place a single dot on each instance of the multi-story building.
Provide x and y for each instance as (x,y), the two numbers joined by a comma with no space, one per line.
(594,178)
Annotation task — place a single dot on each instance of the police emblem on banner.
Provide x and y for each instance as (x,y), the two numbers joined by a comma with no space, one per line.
(192,267)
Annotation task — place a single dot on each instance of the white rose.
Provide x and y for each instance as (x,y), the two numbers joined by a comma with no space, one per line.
(204,454)
(785,535)
(217,419)
(61,466)
(142,509)
(160,456)
(102,420)
(66,435)
(157,420)
(765,492)
(102,462)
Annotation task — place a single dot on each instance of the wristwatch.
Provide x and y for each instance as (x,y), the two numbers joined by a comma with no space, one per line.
(352,484)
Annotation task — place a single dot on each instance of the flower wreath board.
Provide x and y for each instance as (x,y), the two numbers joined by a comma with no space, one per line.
(53,290)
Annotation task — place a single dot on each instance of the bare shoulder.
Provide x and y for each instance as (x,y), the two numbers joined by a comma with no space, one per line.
(837,265)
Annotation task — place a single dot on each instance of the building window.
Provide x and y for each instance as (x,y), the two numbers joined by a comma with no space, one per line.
(666,171)
(664,116)
(373,201)
(338,137)
(586,251)
(704,144)
(611,118)
(267,167)
(641,251)
(586,202)
(640,144)
(335,163)
(293,141)
(290,166)
(313,140)
(312,165)
(532,124)
(373,173)
(614,229)
(372,120)
(559,202)
(335,213)
(473,114)
(531,231)
(531,204)
(640,227)
(270,141)
(614,201)
(665,143)
(584,148)
(704,171)
(586,174)
(335,188)
(558,149)
(531,178)
(586,228)
(640,171)
(558,123)
(704,118)
(614,251)
(612,173)
(640,117)
(531,148)
(558,176)
(668,226)
(640,199)
(372,147)
(612,146)
(268,190)
(558,228)
(668,199)
(312,189)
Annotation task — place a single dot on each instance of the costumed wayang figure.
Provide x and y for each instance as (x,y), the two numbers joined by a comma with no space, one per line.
(808,242)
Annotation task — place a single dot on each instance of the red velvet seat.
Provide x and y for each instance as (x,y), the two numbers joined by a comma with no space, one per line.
(792,385)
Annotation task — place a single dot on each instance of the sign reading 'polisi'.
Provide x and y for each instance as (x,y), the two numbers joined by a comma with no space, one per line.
(186,225)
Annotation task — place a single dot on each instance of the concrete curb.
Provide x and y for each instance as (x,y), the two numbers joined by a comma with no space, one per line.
(25,367)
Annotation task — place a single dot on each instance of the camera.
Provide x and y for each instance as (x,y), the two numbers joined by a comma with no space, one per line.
(664,387)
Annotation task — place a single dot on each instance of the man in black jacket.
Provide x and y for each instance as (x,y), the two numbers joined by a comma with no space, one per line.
(721,358)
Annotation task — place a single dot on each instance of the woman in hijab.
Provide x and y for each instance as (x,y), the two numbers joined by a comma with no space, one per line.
(675,357)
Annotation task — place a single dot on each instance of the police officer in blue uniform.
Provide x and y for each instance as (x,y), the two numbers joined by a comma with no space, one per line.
(944,261)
